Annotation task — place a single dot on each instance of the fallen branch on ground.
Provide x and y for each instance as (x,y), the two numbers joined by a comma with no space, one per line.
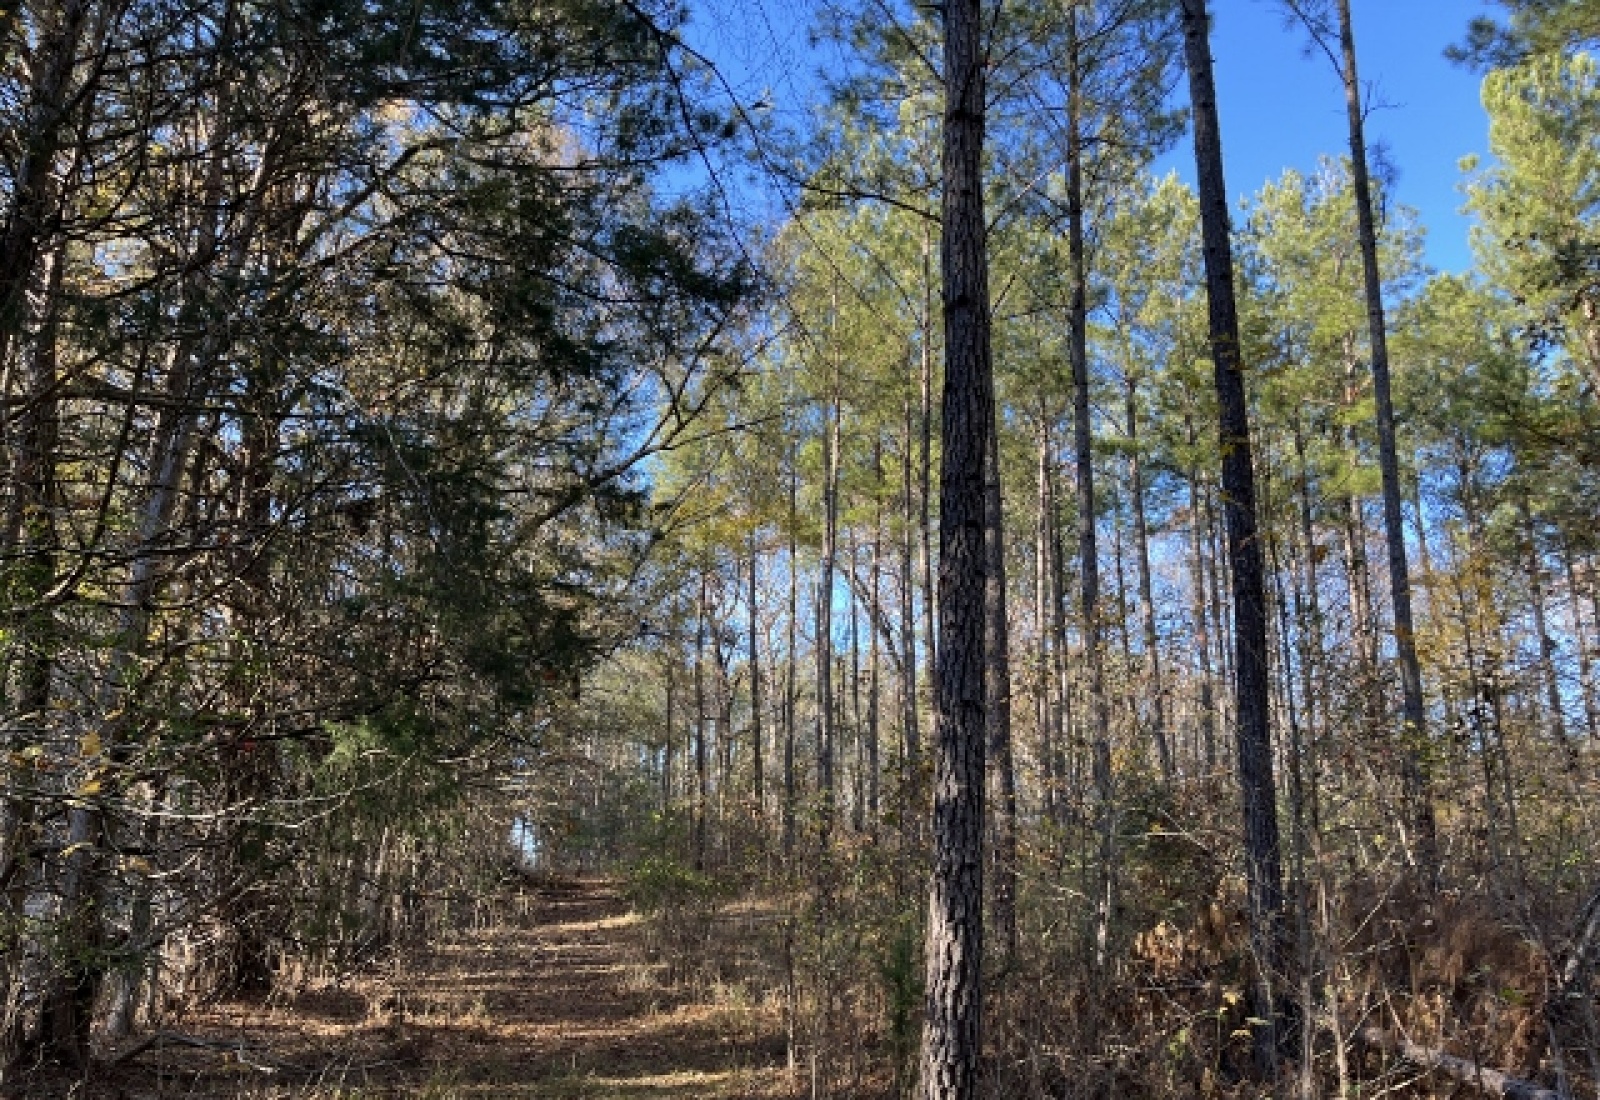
(1491,1081)
(169,1038)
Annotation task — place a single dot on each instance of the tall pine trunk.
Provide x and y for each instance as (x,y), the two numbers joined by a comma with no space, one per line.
(1415,781)
(1264,875)
(1083,450)
(952,1029)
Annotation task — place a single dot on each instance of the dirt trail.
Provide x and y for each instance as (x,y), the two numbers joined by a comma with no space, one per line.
(547,1001)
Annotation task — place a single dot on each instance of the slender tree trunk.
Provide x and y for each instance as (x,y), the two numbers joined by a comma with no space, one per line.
(30,265)
(1580,641)
(1309,613)
(758,761)
(1119,572)
(1221,603)
(1299,840)
(671,719)
(1264,876)
(1416,783)
(1147,603)
(952,1039)
(910,720)
(1088,551)
(1202,632)
(825,726)
(791,694)
(1065,732)
(35,191)
(997,684)
(1541,627)
(1483,716)
(722,725)
(74,989)
(1044,615)
(874,658)
(1358,577)
(858,781)
(702,775)
(930,644)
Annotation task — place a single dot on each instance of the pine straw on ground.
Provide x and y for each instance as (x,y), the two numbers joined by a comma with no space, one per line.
(547,1001)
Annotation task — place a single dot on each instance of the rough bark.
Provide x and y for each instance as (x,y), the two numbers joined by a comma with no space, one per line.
(952,1029)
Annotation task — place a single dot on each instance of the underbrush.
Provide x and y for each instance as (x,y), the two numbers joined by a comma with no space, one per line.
(1467,974)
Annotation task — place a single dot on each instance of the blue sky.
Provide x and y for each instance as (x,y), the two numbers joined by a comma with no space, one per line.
(1281,106)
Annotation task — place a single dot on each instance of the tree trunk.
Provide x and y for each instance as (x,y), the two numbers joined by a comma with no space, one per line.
(36,183)
(671,717)
(74,989)
(1580,640)
(930,643)
(910,720)
(1541,628)
(1264,876)
(858,781)
(791,685)
(758,761)
(997,687)
(1202,632)
(1065,728)
(702,775)
(1083,450)
(952,1030)
(874,656)
(1416,784)
(825,726)
(1045,707)
(1147,603)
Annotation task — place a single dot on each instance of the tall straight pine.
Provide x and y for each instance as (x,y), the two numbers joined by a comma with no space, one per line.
(952,1030)
(1263,860)
(1417,787)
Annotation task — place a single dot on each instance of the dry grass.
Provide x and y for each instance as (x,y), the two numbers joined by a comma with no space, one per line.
(548,1002)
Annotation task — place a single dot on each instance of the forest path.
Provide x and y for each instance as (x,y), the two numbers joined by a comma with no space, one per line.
(544,997)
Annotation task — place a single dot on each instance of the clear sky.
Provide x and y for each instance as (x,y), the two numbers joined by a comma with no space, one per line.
(1281,106)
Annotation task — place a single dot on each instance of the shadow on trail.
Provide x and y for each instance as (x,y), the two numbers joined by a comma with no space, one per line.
(546,1000)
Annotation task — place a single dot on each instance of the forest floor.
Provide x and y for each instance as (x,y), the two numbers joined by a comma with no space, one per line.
(546,997)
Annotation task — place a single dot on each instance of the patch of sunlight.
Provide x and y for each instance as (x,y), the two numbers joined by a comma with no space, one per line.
(626,920)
